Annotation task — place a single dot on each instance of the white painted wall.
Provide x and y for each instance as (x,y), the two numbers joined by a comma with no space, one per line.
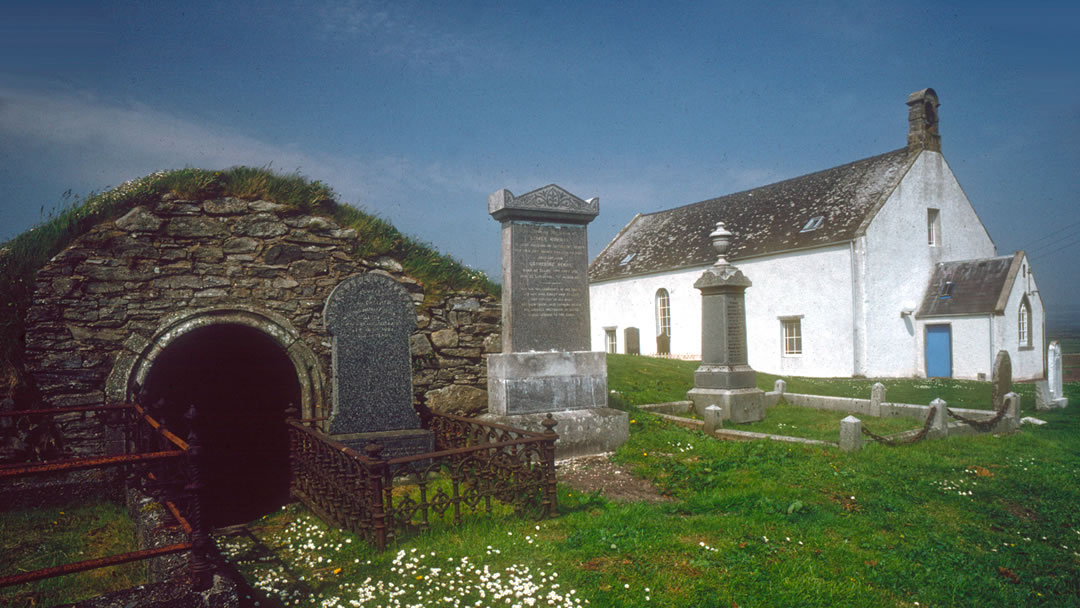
(814,283)
(898,262)
(632,303)
(972,352)
(1027,363)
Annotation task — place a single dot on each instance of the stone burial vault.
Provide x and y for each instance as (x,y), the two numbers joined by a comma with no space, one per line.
(220,303)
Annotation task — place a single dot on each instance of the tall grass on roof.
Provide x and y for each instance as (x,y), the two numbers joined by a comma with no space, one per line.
(24,255)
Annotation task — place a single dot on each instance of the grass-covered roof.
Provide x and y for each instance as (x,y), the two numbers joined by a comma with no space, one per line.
(24,255)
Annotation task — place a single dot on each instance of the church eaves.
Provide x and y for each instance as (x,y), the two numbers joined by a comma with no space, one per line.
(766,220)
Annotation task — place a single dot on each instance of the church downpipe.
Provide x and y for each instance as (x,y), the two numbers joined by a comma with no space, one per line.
(240,382)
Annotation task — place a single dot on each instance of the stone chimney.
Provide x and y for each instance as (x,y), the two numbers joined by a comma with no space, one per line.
(923,121)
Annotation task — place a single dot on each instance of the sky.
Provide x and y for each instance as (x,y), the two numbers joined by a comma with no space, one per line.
(417,111)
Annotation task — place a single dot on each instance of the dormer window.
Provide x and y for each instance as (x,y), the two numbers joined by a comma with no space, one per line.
(946,290)
(814,223)
(629,258)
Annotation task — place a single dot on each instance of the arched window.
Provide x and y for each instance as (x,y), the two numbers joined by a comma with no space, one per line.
(663,312)
(1024,323)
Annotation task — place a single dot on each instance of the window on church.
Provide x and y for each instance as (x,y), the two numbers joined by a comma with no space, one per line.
(792,335)
(628,258)
(609,336)
(933,227)
(946,290)
(1024,322)
(663,313)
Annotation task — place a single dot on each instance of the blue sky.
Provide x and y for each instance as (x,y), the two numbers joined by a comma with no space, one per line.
(416,111)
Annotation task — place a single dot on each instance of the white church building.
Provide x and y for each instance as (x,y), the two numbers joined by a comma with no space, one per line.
(877,268)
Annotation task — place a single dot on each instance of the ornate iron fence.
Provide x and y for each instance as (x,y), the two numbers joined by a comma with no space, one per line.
(476,464)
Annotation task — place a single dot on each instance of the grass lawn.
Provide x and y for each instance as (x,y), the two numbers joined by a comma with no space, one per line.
(989,520)
(40,538)
(641,380)
(784,419)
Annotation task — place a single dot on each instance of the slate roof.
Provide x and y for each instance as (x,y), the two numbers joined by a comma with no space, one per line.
(978,286)
(764,220)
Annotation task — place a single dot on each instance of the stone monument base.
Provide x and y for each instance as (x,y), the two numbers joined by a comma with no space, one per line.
(406,442)
(581,432)
(541,382)
(738,405)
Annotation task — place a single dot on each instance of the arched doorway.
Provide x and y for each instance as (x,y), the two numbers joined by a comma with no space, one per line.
(240,381)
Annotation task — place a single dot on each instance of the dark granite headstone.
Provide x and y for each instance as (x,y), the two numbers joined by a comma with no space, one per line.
(663,344)
(371,318)
(1002,379)
(545,261)
(632,340)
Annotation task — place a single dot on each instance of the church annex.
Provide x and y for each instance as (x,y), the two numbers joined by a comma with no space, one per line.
(877,268)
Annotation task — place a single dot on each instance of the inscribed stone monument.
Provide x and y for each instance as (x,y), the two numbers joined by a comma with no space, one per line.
(545,365)
(371,318)
(1001,380)
(724,377)
(1048,393)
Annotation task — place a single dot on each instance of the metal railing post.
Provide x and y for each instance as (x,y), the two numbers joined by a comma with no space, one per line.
(201,574)
(551,497)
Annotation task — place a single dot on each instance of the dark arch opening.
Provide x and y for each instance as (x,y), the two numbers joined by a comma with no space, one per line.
(240,382)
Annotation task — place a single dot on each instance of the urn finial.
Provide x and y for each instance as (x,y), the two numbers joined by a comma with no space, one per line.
(721,241)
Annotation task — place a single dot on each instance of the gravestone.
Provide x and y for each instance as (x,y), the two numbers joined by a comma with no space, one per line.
(663,344)
(1001,381)
(632,340)
(545,365)
(877,397)
(1055,371)
(371,318)
(724,377)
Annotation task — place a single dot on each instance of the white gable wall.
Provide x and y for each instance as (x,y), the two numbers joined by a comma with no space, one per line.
(899,261)
(1027,363)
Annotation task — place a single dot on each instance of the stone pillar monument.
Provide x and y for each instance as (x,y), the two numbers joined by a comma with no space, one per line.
(724,378)
(545,365)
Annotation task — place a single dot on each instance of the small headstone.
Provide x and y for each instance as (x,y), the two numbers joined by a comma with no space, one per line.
(780,386)
(877,397)
(1001,382)
(1044,399)
(632,340)
(371,318)
(1011,420)
(939,427)
(1030,420)
(663,344)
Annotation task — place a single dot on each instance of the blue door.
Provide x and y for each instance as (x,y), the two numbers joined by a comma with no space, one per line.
(938,351)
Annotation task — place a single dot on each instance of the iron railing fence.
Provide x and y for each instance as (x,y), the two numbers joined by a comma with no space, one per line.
(164,465)
(476,465)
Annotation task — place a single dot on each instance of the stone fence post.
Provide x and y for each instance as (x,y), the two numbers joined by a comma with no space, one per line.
(851,434)
(940,425)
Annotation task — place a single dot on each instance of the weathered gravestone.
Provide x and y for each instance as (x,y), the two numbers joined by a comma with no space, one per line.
(724,377)
(1048,393)
(632,340)
(1055,375)
(1001,380)
(371,317)
(546,366)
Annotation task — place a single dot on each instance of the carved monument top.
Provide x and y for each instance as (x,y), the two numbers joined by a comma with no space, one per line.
(550,203)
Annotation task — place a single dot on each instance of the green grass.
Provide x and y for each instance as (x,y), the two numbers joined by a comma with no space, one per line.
(990,520)
(784,419)
(641,380)
(22,256)
(40,538)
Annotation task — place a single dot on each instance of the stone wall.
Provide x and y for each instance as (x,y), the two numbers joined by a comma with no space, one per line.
(121,291)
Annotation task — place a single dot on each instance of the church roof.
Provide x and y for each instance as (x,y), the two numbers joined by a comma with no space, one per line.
(830,206)
(970,286)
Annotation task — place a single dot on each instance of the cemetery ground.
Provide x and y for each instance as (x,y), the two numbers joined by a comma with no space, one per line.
(984,519)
